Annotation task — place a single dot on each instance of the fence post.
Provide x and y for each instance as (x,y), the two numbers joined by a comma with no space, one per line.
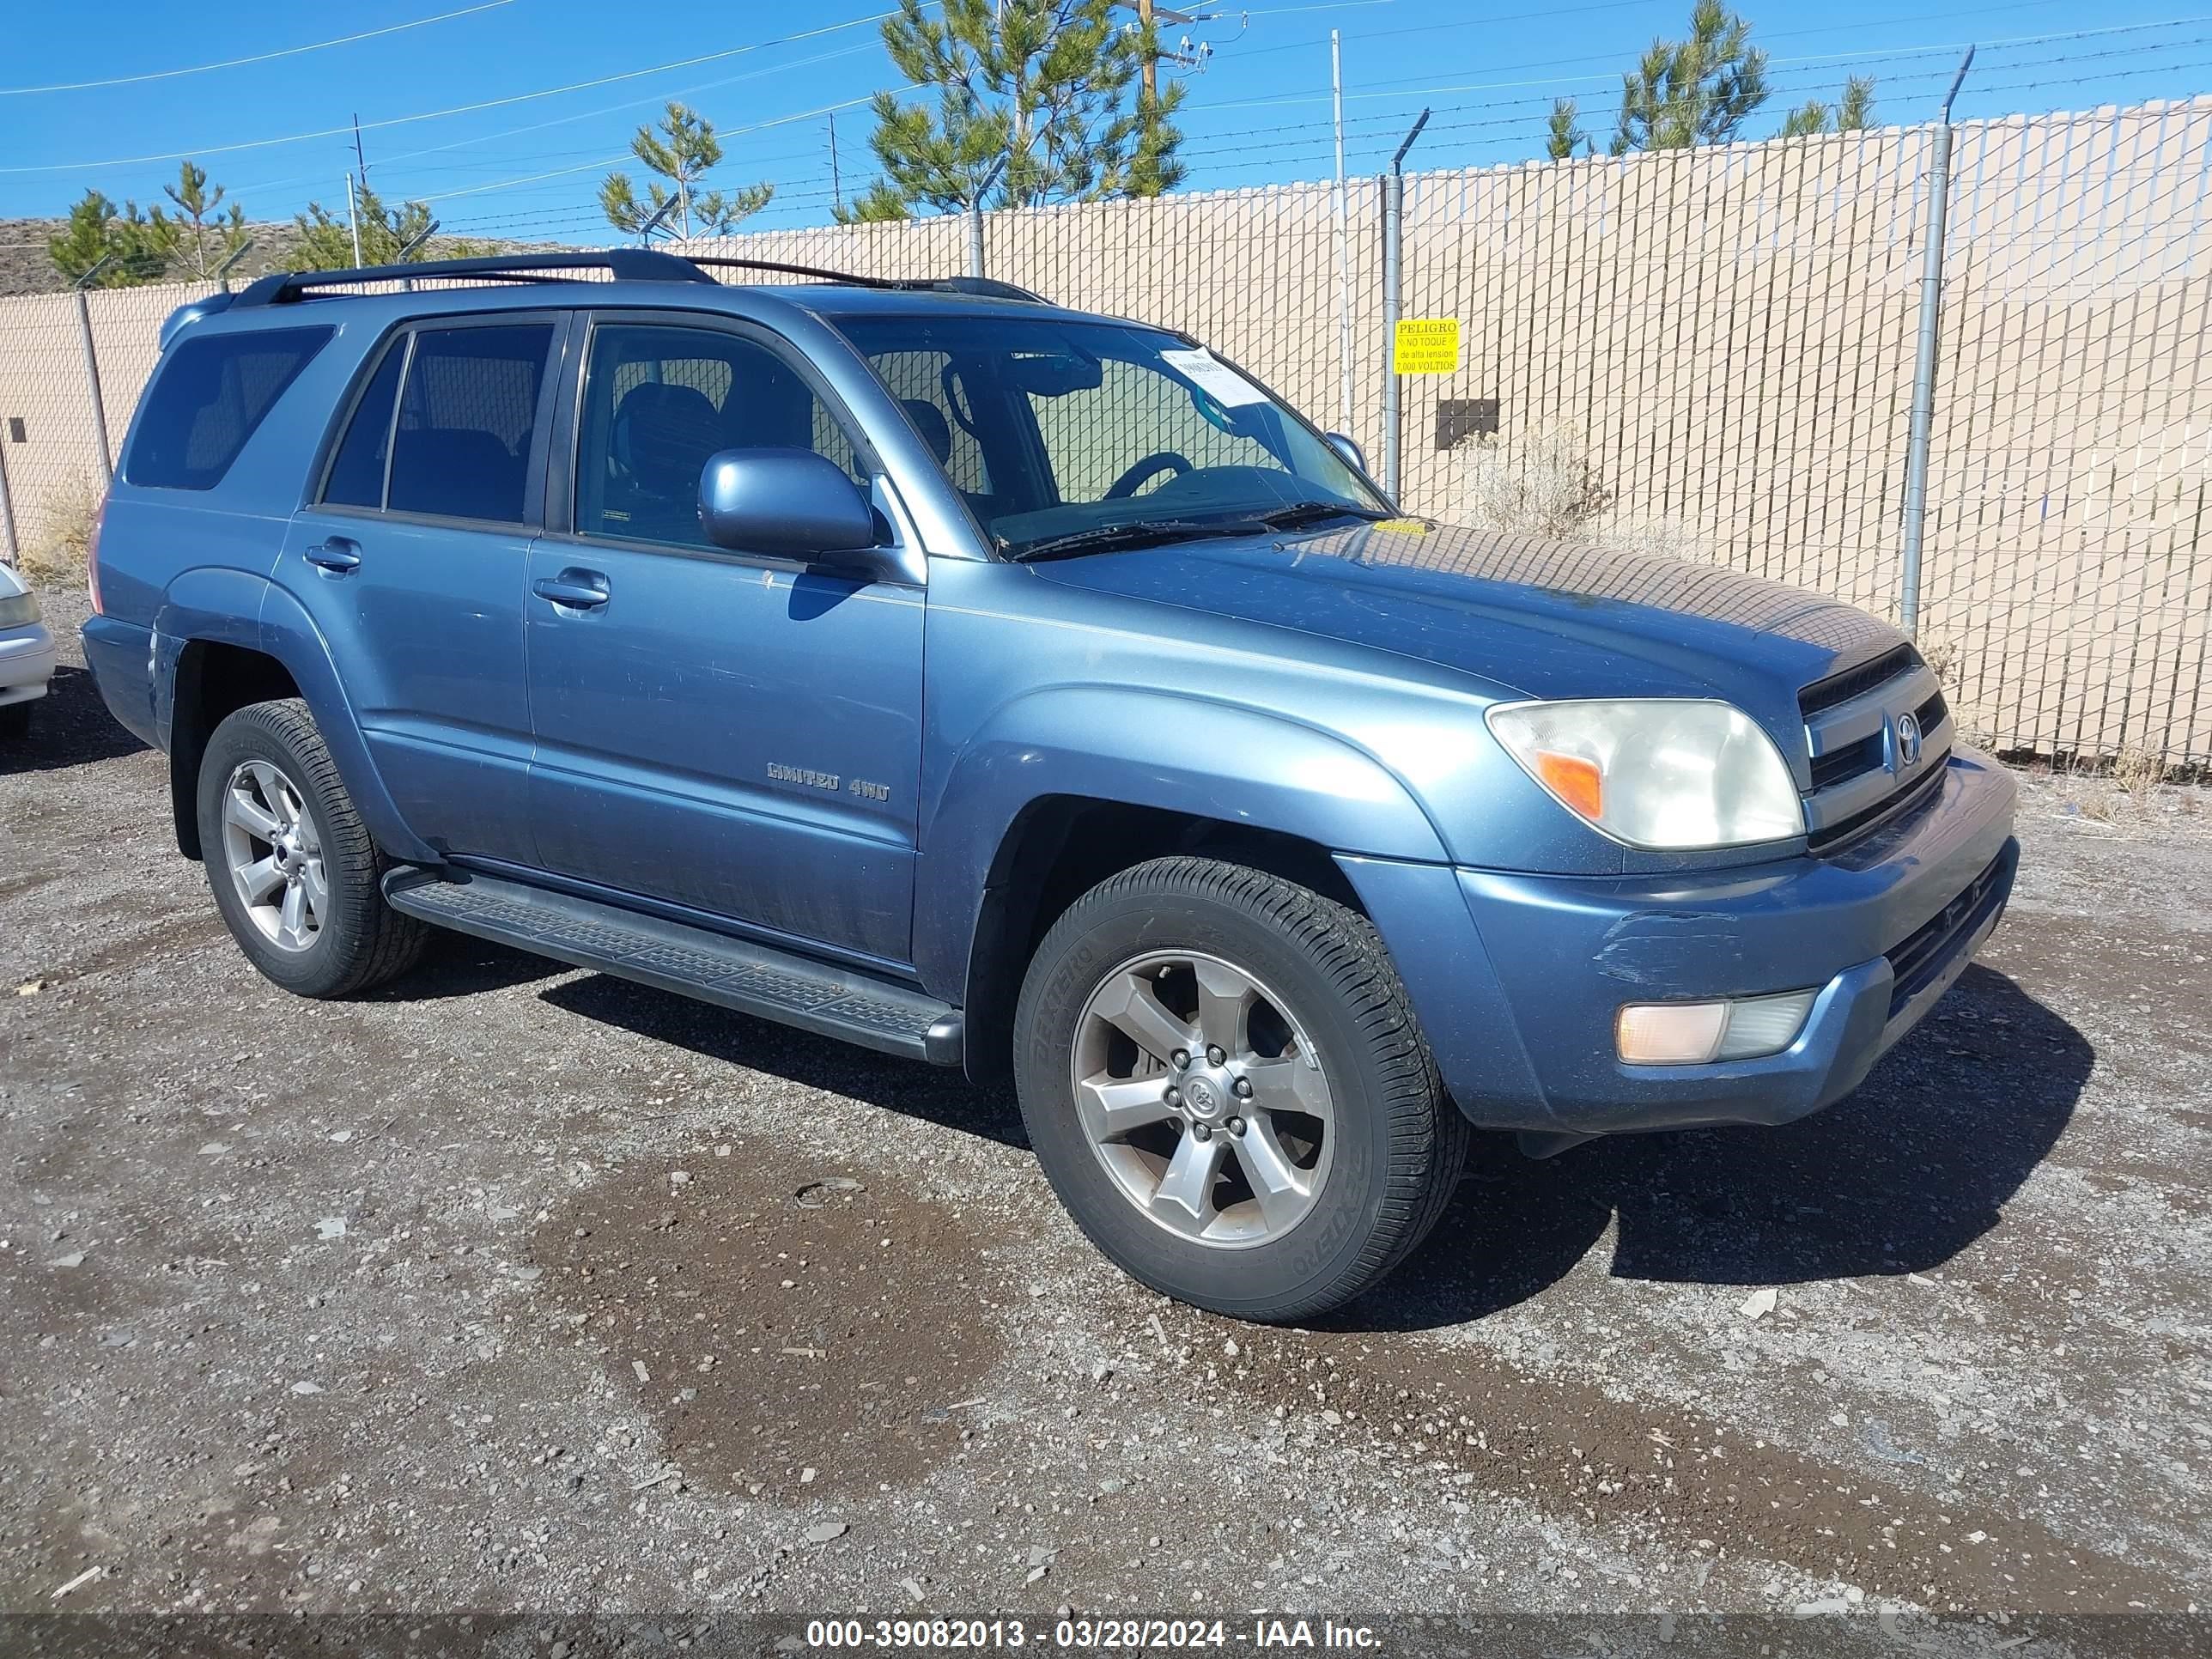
(1394,219)
(1394,237)
(1924,360)
(10,549)
(975,238)
(92,373)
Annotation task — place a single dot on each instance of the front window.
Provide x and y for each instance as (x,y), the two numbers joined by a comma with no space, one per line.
(1079,436)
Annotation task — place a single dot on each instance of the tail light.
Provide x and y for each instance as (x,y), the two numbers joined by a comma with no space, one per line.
(92,556)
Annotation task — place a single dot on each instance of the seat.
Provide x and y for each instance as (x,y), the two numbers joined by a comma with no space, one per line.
(929,421)
(663,437)
(457,472)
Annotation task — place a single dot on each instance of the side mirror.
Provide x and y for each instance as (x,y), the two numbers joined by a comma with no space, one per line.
(789,504)
(1348,450)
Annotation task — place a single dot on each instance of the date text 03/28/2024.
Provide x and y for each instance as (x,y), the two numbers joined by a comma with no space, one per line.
(1090,1634)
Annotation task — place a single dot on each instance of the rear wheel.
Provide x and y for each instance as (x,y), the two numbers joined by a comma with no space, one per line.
(293,870)
(1226,1085)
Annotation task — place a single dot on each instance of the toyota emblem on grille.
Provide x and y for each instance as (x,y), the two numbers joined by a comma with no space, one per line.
(1907,728)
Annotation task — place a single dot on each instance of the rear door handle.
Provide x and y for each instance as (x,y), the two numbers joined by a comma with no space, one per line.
(574,590)
(337,556)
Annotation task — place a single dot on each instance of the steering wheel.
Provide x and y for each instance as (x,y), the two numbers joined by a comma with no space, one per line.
(1164,460)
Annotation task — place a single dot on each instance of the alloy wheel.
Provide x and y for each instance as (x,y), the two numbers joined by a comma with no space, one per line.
(1201,1093)
(275,855)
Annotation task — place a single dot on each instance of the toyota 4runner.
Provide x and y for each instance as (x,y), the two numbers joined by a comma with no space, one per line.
(1003,686)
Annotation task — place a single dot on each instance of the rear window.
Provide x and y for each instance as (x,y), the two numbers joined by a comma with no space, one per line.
(208,399)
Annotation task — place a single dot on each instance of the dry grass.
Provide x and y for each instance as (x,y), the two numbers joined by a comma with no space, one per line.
(2120,791)
(54,556)
(1545,481)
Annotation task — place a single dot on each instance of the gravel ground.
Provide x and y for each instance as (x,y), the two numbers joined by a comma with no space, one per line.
(514,1288)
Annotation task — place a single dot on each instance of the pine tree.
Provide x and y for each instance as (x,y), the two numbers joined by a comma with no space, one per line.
(204,237)
(139,247)
(1853,112)
(1564,134)
(325,239)
(1035,103)
(1698,91)
(680,152)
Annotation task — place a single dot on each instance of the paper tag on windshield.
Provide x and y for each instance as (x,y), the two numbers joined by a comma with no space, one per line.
(1214,378)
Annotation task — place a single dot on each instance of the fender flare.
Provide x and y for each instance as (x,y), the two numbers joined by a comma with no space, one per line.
(229,607)
(1166,750)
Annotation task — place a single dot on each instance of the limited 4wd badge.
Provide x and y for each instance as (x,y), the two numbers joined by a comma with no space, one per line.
(779,773)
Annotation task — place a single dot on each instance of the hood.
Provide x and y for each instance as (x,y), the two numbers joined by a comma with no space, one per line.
(1536,618)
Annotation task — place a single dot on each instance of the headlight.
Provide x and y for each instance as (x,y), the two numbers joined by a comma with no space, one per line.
(18,608)
(1663,773)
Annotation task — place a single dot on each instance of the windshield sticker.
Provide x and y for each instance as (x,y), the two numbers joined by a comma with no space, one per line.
(1214,378)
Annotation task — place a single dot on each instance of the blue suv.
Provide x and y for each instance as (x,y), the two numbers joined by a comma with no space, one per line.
(1007,687)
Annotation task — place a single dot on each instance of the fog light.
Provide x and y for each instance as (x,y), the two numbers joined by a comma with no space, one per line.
(1697,1033)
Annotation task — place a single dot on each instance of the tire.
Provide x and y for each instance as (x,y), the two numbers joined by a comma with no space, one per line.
(352,940)
(15,721)
(1359,1167)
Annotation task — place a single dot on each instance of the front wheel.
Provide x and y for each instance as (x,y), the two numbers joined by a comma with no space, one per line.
(293,870)
(1226,1085)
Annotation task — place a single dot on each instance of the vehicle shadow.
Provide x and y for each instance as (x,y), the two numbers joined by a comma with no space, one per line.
(460,965)
(1898,1178)
(69,726)
(935,1094)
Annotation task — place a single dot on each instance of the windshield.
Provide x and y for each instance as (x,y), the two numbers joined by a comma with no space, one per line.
(1085,435)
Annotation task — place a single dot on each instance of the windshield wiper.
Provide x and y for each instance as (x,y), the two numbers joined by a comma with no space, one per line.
(1117,538)
(1296,514)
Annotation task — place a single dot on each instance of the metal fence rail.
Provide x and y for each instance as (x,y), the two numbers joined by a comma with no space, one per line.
(1707,353)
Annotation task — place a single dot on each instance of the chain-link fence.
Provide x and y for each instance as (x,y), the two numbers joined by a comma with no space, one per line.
(1709,354)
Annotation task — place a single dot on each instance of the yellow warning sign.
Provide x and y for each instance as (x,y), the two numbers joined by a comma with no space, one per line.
(1426,345)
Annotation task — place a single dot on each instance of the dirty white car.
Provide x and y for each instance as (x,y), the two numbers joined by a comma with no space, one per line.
(27,655)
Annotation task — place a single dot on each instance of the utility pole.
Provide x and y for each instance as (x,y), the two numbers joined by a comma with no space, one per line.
(1148,14)
(1152,54)
(353,217)
(837,184)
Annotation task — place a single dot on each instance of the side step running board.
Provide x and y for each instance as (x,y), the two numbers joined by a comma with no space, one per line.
(753,979)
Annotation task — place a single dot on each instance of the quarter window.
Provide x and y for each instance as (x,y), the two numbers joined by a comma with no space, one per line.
(659,403)
(357,476)
(461,447)
(210,396)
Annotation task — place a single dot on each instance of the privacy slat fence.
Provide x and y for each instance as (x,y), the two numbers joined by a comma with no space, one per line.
(1724,338)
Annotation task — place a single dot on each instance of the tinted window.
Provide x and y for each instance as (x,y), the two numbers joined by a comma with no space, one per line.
(356,477)
(660,402)
(210,395)
(462,449)
(1052,428)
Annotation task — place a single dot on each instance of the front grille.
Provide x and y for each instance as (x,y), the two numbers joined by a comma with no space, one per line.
(1920,955)
(1861,772)
(1852,681)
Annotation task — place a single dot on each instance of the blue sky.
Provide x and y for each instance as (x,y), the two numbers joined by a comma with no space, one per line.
(505,117)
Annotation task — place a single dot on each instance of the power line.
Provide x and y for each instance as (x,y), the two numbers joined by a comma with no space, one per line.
(258,58)
(458,109)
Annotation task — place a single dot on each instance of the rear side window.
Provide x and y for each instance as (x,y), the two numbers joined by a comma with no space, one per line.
(210,397)
(461,449)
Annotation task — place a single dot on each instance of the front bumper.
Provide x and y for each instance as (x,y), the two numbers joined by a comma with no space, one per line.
(27,662)
(1521,1013)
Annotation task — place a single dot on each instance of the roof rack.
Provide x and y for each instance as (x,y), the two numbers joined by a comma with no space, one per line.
(982,287)
(623,264)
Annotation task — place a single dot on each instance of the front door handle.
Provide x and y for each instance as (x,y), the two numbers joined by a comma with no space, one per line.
(337,556)
(574,590)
